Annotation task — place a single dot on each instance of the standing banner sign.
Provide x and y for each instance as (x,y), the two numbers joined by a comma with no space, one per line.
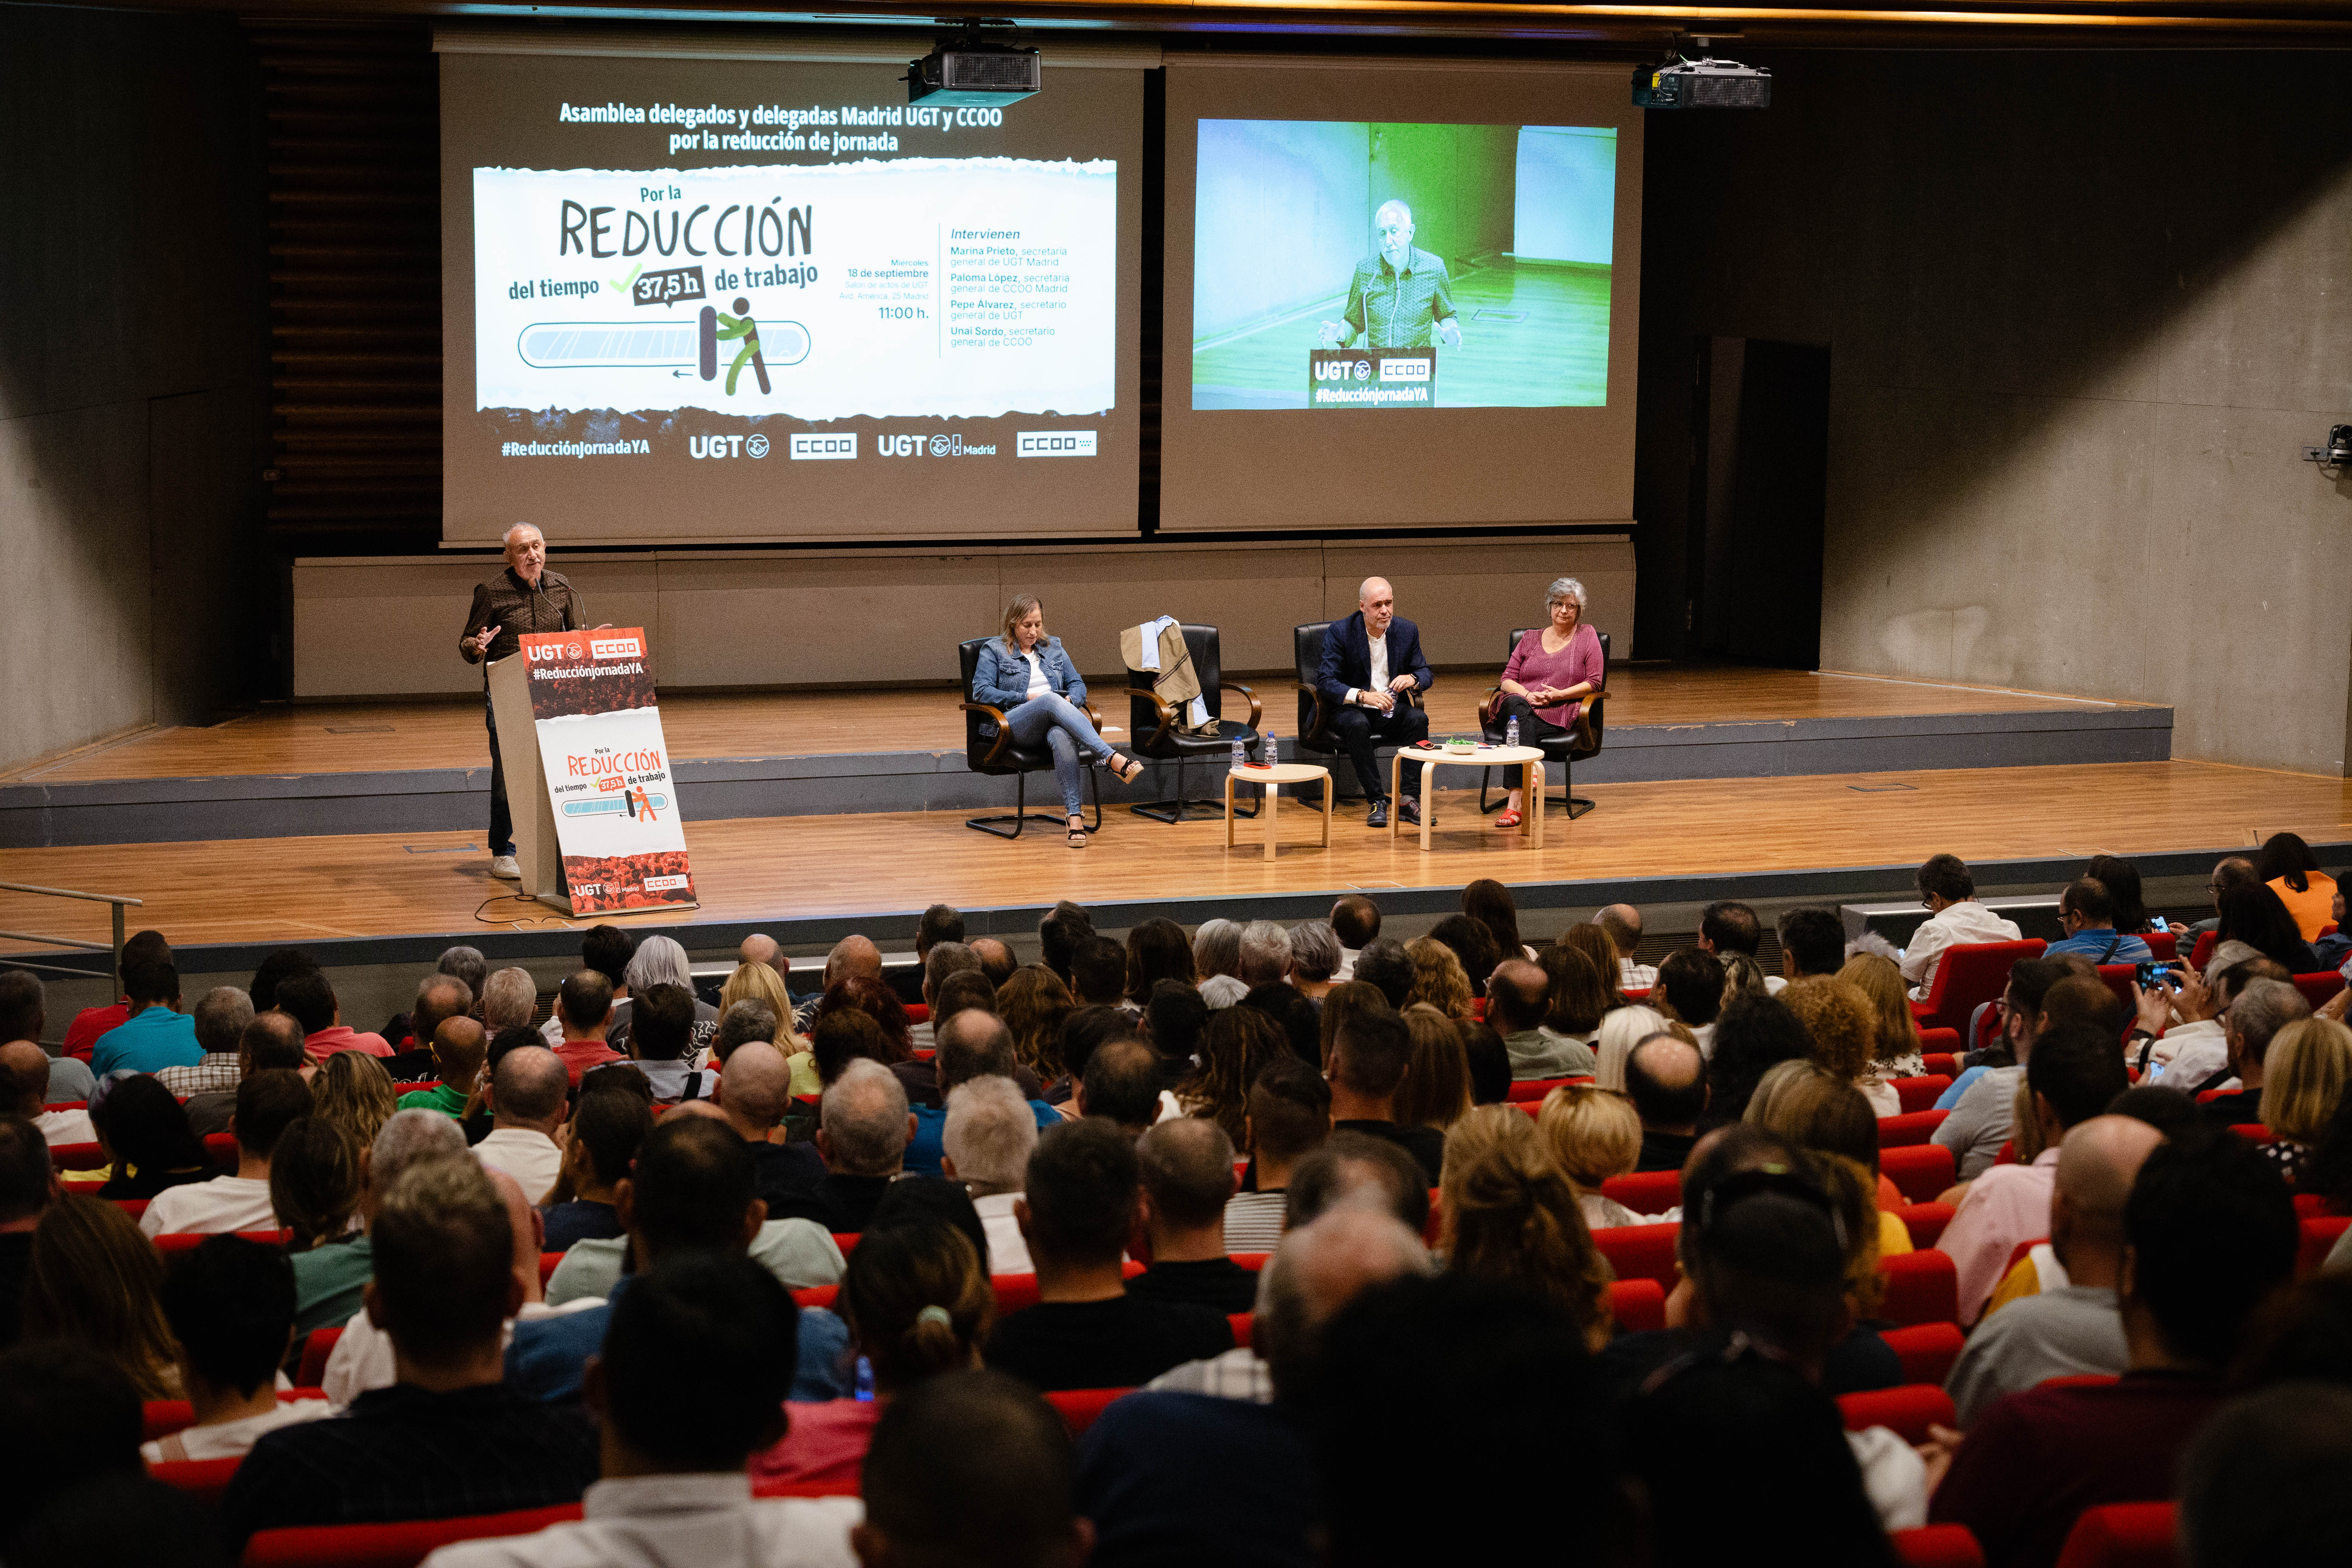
(607,768)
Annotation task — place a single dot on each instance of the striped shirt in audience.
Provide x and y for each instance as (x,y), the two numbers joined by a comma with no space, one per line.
(1253,1221)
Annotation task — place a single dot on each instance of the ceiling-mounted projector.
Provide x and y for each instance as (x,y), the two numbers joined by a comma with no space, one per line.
(1702,84)
(970,70)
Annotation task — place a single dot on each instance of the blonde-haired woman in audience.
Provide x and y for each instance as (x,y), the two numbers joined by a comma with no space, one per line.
(354,1093)
(1034,1005)
(1343,1002)
(1619,1032)
(918,1303)
(94,1280)
(2303,1075)
(1900,1051)
(1812,1107)
(2025,1140)
(1843,1028)
(1511,1218)
(1742,976)
(1235,1043)
(1438,977)
(1579,995)
(1591,1135)
(760,983)
(1436,1089)
(1601,948)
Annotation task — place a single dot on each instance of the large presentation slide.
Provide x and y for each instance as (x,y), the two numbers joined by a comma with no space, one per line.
(719,300)
(1354,306)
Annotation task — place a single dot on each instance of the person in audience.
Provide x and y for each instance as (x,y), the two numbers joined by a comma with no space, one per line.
(939,923)
(1812,941)
(220,1017)
(28,1186)
(1754,1034)
(2073,1073)
(1388,968)
(584,1014)
(1438,978)
(944,961)
(996,959)
(92,1279)
(1843,1027)
(1351,1168)
(2183,1017)
(1591,1135)
(661,1042)
(1299,1019)
(267,1102)
(230,1308)
(1472,943)
(2289,869)
(2229,872)
(1059,931)
(1099,972)
(1035,1005)
(2303,1075)
(1344,1002)
(661,961)
(990,1132)
(1490,903)
(25,1079)
(459,1046)
(2259,1481)
(863,1130)
(1579,998)
(272,1040)
(527,1105)
(67,1415)
(2256,1017)
(1370,679)
(1264,955)
(1122,1085)
(1623,923)
(314,1190)
(1689,990)
(1174,1017)
(1588,939)
(1314,955)
(144,1135)
(1948,891)
(1217,959)
(510,996)
(1739,1422)
(1666,1080)
(2209,1233)
(607,1130)
(1085,1030)
(970,1469)
(763,985)
(1897,1050)
(154,1034)
(1816,1110)
(1236,1046)
(1157,950)
(467,966)
(1356,922)
(1079,1205)
(2075,1329)
(2256,916)
(1289,1117)
(2088,912)
(142,947)
(606,950)
(1436,1091)
(1518,1001)
(754,1098)
(1981,1119)
(352,1090)
(1370,1059)
(2122,881)
(458,1440)
(1511,1218)
(23,1016)
(1624,1029)
(439,997)
(1730,930)
(844,1035)
(1186,1168)
(310,998)
(916,1303)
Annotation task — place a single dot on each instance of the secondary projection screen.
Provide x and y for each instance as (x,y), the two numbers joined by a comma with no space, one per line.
(1398,295)
(719,300)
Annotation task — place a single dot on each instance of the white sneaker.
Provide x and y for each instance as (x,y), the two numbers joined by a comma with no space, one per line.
(503,866)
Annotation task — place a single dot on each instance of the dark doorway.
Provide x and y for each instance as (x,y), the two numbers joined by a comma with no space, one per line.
(1760,476)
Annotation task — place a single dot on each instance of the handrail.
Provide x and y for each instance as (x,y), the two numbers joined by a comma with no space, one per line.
(117,902)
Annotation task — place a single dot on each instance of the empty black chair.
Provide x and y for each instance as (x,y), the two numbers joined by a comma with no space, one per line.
(1315,711)
(1582,740)
(988,748)
(1154,723)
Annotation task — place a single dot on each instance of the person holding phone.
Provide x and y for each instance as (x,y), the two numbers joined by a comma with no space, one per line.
(1554,669)
(525,597)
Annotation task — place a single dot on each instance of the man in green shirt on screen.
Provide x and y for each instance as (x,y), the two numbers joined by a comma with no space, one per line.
(1400,296)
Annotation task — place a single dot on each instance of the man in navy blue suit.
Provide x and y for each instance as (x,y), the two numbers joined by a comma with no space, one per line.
(1371,673)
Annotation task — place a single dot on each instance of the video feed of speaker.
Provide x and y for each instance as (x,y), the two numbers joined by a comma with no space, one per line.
(1402,266)
(720,301)
(1425,319)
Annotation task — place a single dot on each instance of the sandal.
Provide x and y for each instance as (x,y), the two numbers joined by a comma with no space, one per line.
(1510,819)
(1077,837)
(1128,769)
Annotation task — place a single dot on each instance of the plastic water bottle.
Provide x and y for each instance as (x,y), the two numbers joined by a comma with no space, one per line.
(1273,751)
(1241,752)
(1511,732)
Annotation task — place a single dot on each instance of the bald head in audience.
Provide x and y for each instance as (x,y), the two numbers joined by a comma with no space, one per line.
(23,1076)
(973,1043)
(996,960)
(760,948)
(1319,1268)
(852,958)
(2097,1164)
(459,1048)
(1666,1077)
(528,1090)
(1518,995)
(863,1123)
(756,1090)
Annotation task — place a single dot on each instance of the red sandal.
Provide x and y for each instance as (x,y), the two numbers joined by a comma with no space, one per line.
(1510,819)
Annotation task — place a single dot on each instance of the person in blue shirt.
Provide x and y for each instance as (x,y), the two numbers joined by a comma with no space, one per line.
(157,1034)
(1026,676)
(972,1043)
(2087,910)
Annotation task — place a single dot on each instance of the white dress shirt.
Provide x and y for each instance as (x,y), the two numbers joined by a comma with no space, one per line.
(1632,977)
(1008,1250)
(66,1127)
(232,1439)
(1379,675)
(1950,926)
(527,1154)
(708,1521)
(208,1208)
(2186,1055)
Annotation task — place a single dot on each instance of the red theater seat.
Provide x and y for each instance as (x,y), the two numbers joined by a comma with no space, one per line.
(402,1545)
(1242,1324)
(222,1147)
(1921,1288)
(1908,1411)
(1920,1093)
(1927,1351)
(1017,1291)
(1925,1222)
(1909,1130)
(1921,1172)
(1640,1252)
(76,1156)
(202,1479)
(2319,989)
(315,1351)
(134,1207)
(1938,1546)
(1942,1054)
(1533,1088)
(547,1262)
(1079,1407)
(1638,1305)
(816,1296)
(1966,976)
(189,1240)
(2319,1237)
(1645,1192)
(2122,1535)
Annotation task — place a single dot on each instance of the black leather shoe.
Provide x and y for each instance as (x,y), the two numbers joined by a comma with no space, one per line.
(1379,815)
(1410,809)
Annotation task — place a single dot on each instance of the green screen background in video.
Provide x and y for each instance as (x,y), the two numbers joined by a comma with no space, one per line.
(1523,218)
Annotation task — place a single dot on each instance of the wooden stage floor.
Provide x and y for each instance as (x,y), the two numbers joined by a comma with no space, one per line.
(447,733)
(312,890)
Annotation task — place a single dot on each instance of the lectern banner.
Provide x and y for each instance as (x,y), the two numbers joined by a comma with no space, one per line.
(607,766)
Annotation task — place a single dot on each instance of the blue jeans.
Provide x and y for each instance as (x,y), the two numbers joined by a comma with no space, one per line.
(1067,733)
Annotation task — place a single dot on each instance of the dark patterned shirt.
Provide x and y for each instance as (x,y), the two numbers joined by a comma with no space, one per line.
(553,606)
(1399,313)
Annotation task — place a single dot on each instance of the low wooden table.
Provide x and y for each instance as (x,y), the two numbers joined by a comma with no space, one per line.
(1274,778)
(1526,757)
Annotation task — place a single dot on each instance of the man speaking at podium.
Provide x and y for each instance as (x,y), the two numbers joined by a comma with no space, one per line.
(1398,297)
(525,597)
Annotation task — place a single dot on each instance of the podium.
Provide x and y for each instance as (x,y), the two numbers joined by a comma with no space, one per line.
(596,822)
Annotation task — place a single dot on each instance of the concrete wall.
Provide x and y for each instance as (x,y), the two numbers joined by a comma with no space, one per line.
(2082,309)
(132,371)
(387,627)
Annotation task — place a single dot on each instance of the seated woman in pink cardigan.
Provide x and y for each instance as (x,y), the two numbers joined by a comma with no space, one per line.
(1549,674)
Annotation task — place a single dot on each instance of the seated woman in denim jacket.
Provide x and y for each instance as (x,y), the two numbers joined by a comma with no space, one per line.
(1027,674)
